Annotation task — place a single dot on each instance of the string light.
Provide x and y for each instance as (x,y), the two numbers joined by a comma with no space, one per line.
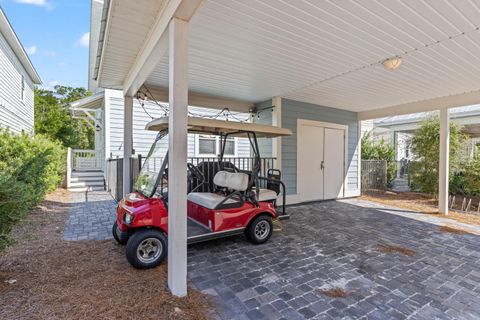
(143,95)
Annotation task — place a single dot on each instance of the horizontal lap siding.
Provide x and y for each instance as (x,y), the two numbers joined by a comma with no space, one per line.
(143,139)
(294,110)
(264,117)
(15,114)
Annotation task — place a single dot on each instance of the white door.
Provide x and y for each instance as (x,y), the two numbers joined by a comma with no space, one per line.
(310,157)
(334,166)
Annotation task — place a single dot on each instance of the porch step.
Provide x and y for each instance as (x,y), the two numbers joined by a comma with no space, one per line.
(86,179)
(96,173)
(81,181)
(86,183)
(83,189)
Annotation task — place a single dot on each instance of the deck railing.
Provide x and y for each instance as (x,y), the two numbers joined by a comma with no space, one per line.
(84,160)
(114,169)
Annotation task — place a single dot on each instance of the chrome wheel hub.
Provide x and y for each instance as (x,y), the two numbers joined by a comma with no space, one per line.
(262,229)
(149,250)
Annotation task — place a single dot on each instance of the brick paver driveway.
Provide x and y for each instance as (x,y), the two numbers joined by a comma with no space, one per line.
(325,245)
(332,244)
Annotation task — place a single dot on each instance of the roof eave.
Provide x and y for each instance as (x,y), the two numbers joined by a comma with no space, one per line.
(87,101)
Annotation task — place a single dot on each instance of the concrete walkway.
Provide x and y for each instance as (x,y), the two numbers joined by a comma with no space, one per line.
(429,218)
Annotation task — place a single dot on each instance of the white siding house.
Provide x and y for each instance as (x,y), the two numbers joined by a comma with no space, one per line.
(143,139)
(104,111)
(17,80)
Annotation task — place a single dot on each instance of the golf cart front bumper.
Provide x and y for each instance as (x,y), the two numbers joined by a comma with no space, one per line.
(122,235)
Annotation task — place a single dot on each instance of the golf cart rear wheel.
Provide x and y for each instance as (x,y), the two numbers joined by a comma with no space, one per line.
(120,238)
(146,248)
(260,229)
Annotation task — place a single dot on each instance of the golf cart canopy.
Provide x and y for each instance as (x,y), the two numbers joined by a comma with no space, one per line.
(222,127)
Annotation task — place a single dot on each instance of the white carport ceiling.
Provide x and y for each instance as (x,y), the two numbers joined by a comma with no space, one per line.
(124,37)
(329,52)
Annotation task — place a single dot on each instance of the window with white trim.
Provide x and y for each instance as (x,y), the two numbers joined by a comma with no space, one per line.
(209,146)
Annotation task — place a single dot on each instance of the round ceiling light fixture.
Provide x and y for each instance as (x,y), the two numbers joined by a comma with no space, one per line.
(392,63)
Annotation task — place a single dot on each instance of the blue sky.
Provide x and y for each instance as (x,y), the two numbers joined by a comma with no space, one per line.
(55,35)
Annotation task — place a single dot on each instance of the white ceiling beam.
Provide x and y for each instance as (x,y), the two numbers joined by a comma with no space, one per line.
(457,100)
(156,45)
(203,100)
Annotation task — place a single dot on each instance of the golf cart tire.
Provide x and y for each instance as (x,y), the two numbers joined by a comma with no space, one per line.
(121,239)
(251,232)
(137,239)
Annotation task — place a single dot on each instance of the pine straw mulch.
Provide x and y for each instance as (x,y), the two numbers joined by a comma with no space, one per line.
(56,279)
(420,202)
(448,229)
(334,292)
(394,249)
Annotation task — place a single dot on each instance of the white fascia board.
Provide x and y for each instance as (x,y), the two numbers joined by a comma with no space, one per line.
(457,100)
(156,45)
(93,101)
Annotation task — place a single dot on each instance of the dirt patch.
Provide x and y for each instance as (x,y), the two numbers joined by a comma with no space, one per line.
(419,202)
(394,249)
(453,230)
(334,292)
(56,279)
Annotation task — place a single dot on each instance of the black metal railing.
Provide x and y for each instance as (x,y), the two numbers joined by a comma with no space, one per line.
(208,165)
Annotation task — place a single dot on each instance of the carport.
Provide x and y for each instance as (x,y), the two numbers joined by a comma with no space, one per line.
(368,58)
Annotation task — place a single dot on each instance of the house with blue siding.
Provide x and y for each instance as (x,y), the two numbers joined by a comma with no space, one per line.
(319,161)
(315,67)
(17,80)
(314,168)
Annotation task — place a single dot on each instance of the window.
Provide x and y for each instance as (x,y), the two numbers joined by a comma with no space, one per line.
(22,93)
(207,145)
(210,146)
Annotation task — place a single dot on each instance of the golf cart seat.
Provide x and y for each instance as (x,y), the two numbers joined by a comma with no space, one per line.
(266,195)
(238,182)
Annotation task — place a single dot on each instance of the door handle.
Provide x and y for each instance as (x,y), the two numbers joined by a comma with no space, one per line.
(322,165)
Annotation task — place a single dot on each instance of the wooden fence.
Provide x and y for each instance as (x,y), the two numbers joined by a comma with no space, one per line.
(374,175)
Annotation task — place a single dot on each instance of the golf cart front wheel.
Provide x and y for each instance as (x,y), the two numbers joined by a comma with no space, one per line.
(260,229)
(146,248)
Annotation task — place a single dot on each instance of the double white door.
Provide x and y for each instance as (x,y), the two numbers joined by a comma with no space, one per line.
(320,161)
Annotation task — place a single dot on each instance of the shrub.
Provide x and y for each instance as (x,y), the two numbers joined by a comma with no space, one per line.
(425,145)
(472,177)
(29,168)
(380,151)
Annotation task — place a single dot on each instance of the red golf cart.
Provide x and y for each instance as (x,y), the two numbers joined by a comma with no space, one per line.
(223,200)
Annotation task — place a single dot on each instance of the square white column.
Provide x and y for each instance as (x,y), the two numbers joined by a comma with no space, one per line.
(443,168)
(127,142)
(177,157)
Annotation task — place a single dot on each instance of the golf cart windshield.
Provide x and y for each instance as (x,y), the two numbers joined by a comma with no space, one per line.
(152,167)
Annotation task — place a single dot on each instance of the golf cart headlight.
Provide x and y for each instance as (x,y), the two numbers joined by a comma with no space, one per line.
(128,218)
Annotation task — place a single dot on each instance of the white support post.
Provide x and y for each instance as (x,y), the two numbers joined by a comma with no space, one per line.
(69,166)
(443,170)
(277,121)
(127,142)
(177,157)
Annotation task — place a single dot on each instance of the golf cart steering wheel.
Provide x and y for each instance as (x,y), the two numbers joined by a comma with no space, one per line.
(196,173)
